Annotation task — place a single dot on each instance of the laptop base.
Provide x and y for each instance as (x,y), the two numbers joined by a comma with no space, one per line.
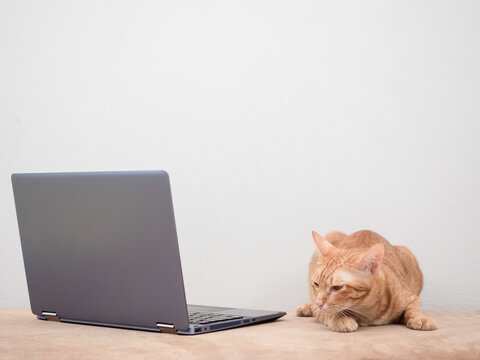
(248,317)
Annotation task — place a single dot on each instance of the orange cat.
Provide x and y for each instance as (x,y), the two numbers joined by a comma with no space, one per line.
(361,279)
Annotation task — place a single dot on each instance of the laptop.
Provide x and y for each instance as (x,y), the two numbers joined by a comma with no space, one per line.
(101,248)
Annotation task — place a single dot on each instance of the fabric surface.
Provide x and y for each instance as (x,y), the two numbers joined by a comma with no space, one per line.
(22,336)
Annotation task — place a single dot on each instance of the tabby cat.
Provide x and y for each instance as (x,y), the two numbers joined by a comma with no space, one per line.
(360,280)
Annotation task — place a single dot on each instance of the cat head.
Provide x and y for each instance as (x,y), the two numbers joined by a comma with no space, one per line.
(343,278)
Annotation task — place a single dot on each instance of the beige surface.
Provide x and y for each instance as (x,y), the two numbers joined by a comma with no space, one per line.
(22,336)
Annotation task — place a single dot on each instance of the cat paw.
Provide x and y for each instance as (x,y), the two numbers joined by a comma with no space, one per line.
(344,325)
(422,323)
(304,310)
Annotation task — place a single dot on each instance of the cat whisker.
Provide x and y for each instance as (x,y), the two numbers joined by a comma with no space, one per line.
(334,309)
(358,314)
(342,314)
(355,316)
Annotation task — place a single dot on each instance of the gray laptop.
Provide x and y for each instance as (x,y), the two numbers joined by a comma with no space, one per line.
(101,248)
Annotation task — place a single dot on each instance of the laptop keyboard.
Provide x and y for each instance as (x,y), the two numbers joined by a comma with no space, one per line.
(202,318)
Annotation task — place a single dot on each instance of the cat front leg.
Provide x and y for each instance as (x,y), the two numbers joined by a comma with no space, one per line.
(341,323)
(336,322)
(305,310)
(413,317)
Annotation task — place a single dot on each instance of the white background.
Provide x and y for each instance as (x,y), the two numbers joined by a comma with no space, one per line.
(273,118)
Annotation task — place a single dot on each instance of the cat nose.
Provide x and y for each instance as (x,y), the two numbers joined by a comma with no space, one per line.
(319,304)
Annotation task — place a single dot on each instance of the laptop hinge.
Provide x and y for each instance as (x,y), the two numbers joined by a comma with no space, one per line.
(49,315)
(166,328)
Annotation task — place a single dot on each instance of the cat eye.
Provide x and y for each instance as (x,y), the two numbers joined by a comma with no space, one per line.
(336,288)
(315,284)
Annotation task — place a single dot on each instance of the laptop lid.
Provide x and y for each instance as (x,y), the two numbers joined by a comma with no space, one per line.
(101,247)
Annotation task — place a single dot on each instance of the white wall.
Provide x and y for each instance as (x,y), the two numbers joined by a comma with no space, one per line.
(273,118)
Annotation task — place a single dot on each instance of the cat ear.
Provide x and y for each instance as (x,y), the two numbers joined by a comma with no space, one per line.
(371,261)
(323,245)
